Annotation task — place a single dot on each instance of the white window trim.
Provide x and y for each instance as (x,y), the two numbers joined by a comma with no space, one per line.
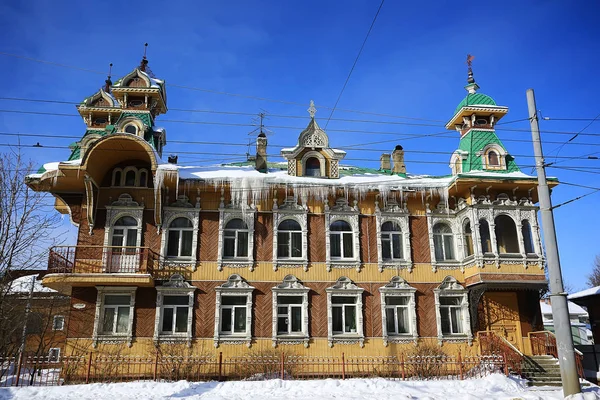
(290,209)
(127,337)
(501,157)
(448,217)
(398,287)
(459,155)
(345,287)
(175,286)
(393,212)
(322,163)
(62,324)
(341,211)
(182,208)
(291,286)
(235,286)
(52,349)
(451,288)
(123,207)
(226,215)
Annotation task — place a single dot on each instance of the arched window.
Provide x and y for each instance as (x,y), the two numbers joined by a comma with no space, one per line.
(527,237)
(493,160)
(468,235)
(458,166)
(312,167)
(443,242)
(391,241)
(130,177)
(506,235)
(235,238)
(117,173)
(289,239)
(131,129)
(180,238)
(143,178)
(484,235)
(340,236)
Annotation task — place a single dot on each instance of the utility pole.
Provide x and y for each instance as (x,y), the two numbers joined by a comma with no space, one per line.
(558,297)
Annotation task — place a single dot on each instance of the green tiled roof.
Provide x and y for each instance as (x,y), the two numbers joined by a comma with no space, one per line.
(473,99)
(474,142)
(144,117)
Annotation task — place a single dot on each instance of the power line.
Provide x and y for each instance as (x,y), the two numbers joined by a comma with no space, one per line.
(559,148)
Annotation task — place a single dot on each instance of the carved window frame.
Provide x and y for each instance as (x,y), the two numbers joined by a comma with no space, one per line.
(448,217)
(290,209)
(392,212)
(451,288)
(235,286)
(501,157)
(346,288)
(123,207)
(175,286)
(343,212)
(182,208)
(398,287)
(226,215)
(322,163)
(127,337)
(291,286)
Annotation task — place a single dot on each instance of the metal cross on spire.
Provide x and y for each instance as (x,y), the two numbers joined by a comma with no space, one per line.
(312,110)
(470,59)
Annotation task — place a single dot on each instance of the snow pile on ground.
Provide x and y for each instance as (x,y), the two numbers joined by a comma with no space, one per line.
(495,386)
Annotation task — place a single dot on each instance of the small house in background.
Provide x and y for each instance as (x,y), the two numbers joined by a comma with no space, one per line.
(579,321)
(590,299)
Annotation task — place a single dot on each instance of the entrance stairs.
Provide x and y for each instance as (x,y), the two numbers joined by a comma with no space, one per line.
(543,370)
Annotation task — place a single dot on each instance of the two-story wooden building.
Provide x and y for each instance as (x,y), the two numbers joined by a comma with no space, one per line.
(310,255)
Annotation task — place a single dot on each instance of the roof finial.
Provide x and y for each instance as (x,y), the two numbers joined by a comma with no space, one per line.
(471,85)
(108,82)
(144,60)
(312,110)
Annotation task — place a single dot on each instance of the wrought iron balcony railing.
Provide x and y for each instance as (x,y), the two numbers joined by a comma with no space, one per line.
(101,259)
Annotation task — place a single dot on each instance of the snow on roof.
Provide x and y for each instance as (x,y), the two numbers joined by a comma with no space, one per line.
(585,293)
(23,285)
(491,174)
(574,309)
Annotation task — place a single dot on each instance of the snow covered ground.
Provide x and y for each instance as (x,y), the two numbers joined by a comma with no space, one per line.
(491,387)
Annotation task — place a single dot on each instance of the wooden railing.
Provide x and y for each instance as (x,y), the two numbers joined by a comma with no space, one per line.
(492,344)
(102,259)
(544,343)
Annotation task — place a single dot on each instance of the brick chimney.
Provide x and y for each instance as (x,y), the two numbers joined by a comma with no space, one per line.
(385,162)
(398,157)
(261,153)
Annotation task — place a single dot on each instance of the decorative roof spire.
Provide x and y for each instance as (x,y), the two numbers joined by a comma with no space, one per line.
(108,82)
(144,62)
(471,85)
(312,110)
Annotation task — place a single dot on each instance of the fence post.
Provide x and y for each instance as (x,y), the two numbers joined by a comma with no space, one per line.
(220,366)
(89,368)
(19,364)
(460,366)
(156,366)
(282,366)
(402,366)
(343,367)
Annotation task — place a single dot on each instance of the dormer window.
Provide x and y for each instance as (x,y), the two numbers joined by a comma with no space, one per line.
(493,160)
(494,157)
(481,121)
(131,129)
(99,121)
(313,167)
(130,177)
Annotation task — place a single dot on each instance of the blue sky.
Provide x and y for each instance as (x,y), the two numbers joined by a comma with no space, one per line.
(412,65)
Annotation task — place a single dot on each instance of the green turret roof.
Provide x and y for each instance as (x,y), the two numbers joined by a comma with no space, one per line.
(474,142)
(473,99)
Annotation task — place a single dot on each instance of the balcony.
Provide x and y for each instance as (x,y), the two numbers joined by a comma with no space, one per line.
(70,266)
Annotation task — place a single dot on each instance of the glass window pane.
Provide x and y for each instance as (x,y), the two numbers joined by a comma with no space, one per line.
(186,243)
(348,248)
(282,311)
(445,320)
(282,324)
(455,315)
(289,299)
(396,300)
(242,250)
(343,300)
(131,237)
(350,321)
(289,225)
(236,224)
(181,223)
(176,300)
(126,221)
(335,249)
(167,325)
(181,320)
(173,244)
(386,252)
(296,319)
(402,319)
(340,226)
(390,321)
(283,240)
(226,320)
(122,319)
(109,318)
(233,300)
(117,238)
(296,244)
(439,251)
(229,247)
(240,319)
(450,301)
(130,178)
(397,245)
(337,319)
(117,299)
(449,247)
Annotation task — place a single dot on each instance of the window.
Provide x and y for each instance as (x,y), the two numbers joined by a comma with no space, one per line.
(131,129)
(235,238)
(54,354)
(122,256)
(399,318)
(115,314)
(233,313)
(527,237)
(341,243)
(290,305)
(345,318)
(117,173)
(468,237)
(451,315)
(312,167)
(143,178)
(493,160)
(484,235)
(391,241)
(443,242)
(58,323)
(174,310)
(180,238)
(130,178)
(506,235)
(289,315)
(289,239)
(175,314)
(396,312)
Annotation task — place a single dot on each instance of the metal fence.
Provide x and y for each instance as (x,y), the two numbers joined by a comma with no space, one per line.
(95,367)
